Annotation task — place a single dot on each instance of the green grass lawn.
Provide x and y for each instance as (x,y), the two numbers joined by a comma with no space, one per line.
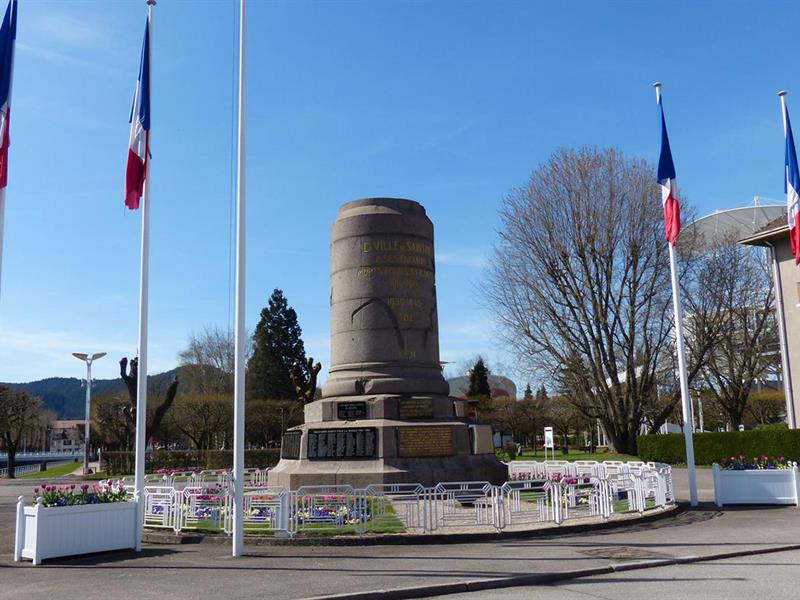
(576,455)
(58,470)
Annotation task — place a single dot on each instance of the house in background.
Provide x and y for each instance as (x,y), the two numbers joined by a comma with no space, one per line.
(67,435)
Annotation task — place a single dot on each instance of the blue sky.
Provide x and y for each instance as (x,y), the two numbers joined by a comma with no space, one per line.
(451,103)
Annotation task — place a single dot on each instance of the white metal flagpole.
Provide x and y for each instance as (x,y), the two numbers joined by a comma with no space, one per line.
(2,223)
(239,364)
(141,381)
(686,405)
(788,389)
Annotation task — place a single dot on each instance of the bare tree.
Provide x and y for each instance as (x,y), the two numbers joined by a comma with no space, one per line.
(579,282)
(208,360)
(20,415)
(206,419)
(746,344)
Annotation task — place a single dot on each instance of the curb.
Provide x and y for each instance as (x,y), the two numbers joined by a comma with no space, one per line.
(542,578)
(165,538)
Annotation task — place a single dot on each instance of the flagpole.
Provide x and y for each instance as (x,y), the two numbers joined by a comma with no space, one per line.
(144,276)
(239,364)
(2,228)
(684,379)
(788,389)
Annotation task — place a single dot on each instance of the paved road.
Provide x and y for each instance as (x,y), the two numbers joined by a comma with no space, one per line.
(772,576)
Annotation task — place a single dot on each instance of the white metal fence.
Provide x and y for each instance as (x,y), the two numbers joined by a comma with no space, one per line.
(22,470)
(537,492)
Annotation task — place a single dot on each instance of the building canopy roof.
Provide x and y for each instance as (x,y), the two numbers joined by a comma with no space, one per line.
(727,226)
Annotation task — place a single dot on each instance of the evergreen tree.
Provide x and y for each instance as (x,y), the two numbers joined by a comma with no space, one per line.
(276,345)
(528,393)
(541,393)
(479,381)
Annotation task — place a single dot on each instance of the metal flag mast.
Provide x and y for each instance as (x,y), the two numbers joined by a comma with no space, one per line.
(681,351)
(788,388)
(239,363)
(141,380)
(11,13)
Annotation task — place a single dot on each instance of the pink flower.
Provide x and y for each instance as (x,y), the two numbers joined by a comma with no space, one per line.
(35,490)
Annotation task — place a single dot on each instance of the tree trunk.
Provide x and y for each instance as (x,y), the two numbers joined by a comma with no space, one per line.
(12,461)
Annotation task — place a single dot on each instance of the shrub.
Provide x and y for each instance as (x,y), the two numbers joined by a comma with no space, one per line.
(119,463)
(510,450)
(715,447)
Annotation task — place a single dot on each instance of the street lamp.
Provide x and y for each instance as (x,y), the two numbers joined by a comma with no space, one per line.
(88,360)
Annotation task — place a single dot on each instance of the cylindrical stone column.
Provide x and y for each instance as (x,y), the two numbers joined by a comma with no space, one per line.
(384,330)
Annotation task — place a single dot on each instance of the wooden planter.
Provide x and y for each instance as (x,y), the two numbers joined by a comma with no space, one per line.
(69,530)
(768,486)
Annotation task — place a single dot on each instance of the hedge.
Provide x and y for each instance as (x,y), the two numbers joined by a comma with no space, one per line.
(118,463)
(713,447)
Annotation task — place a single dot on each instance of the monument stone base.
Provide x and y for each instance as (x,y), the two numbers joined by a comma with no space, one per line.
(364,440)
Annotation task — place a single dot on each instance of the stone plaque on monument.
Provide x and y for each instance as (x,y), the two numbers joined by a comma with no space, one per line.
(385,369)
(351,411)
(415,408)
(425,442)
(290,445)
(328,444)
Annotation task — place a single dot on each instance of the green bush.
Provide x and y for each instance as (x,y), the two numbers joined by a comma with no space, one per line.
(119,463)
(714,447)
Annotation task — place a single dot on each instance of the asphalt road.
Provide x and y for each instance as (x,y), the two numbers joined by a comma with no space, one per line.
(773,576)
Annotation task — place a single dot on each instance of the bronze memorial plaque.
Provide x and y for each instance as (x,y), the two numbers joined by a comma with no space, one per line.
(425,442)
(416,408)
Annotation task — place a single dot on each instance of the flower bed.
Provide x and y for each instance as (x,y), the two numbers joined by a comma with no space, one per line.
(760,480)
(66,520)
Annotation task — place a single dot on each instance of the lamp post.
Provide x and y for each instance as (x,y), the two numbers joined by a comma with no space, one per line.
(88,360)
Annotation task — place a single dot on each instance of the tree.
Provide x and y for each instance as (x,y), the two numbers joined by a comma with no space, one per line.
(205,419)
(276,346)
(480,391)
(267,420)
(20,415)
(479,381)
(111,420)
(746,344)
(766,407)
(208,361)
(579,283)
(131,377)
(528,395)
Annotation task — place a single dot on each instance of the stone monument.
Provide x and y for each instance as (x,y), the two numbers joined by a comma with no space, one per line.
(385,415)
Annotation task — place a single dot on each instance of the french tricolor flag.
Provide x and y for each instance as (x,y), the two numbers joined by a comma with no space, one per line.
(666,179)
(139,148)
(8,35)
(791,185)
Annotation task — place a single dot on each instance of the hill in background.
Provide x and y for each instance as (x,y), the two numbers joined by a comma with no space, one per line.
(66,396)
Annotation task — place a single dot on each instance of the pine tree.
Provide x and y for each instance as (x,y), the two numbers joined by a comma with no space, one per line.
(276,345)
(528,393)
(541,393)
(479,381)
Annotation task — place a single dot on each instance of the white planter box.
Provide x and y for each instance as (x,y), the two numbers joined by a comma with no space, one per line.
(778,486)
(69,530)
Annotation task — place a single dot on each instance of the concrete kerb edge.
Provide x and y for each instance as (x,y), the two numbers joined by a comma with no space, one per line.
(542,578)
(166,538)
